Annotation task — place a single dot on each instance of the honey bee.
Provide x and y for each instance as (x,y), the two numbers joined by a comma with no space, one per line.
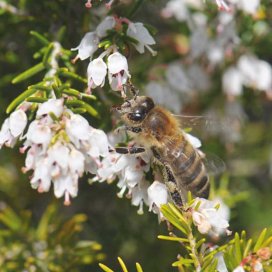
(157,129)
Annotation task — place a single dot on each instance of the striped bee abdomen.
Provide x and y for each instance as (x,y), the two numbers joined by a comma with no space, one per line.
(188,168)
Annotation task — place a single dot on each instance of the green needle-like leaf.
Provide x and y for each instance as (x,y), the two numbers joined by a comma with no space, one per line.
(29,73)
(169,238)
(139,268)
(19,99)
(39,37)
(237,245)
(260,240)
(105,268)
(122,264)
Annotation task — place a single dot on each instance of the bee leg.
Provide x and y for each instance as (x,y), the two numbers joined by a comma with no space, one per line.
(129,150)
(172,187)
(171,182)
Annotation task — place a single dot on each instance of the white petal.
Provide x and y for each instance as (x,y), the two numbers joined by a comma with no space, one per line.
(76,162)
(194,141)
(5,135)
(141,34)
(117,63)
(52,105)
(239,269)
(77,128)
(232,81)
(66,183)
(59,154)
(41,178)
(39,134)
(99,143)
(107,24)
(97,71)
(157,194)
(221,266)
(87,46)
(17,122)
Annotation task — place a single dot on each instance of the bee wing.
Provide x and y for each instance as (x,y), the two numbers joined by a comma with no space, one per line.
(202,124)
(214,165)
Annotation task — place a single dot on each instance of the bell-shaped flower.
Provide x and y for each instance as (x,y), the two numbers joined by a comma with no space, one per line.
(76,162)
(99,145)
(138,32)
(97,71)
(58,155)
(77,128)
(239,269)
(194,141)
(87,46)
(250,7)
(41,179)
(12,128)
(232,82)
(139,195)
(107,24)
(52,105)
(66,185)
(39,133)
(210,219)
(118,71)
(157,195)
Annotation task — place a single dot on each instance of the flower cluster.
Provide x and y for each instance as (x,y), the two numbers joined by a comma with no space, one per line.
(250,72)
(60,146)
(116,64)
(210,217)
(89,4)
(254,261)
(180,9)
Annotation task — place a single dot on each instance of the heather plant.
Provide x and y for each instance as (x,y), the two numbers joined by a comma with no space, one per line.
(63,74)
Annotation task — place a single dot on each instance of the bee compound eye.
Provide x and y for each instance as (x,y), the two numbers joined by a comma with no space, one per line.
(136,116)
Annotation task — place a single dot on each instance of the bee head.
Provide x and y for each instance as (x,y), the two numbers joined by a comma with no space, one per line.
(136,109)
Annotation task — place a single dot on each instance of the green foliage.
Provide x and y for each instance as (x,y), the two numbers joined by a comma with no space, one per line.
(123,266)
(56,82)
(50,245)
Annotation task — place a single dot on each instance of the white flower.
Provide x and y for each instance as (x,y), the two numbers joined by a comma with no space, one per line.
(98,141)
(250,7)
(157,195)
(107,24)
(87,46)
(39,133)
(12,128)
(41,179)
(77,128)
(256,73)
(239,269)
(97,71)
(139,195)
(208,219)
(66,185)
(138,32)
(222,5)
(221,265)
(176,8)
(118,70)
(258,267)
(194,141)
(232,81)
(52,105)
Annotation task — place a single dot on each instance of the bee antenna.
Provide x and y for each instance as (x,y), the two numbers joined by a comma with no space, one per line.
(133,89)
